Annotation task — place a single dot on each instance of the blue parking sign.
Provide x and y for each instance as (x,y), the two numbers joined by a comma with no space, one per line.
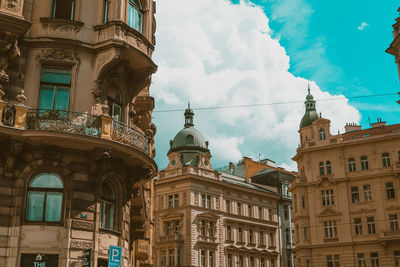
(114,256)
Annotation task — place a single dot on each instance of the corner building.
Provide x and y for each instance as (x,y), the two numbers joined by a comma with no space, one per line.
(76,137)
(346,197)
(207,218)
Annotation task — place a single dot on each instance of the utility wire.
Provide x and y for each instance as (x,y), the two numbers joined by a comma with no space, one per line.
(275,103)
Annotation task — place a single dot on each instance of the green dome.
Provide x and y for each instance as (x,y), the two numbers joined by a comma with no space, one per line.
(308,118)
(189,139)
(311,113)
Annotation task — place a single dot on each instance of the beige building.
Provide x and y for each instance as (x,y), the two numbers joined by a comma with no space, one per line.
(346,196)
(207,218)
(76,137)
(394,48)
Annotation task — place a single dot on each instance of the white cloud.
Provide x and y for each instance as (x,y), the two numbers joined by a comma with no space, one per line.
(216,53)
(362,26)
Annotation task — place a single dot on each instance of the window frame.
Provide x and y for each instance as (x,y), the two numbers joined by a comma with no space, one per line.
(386,162)
(355,195)
(139,9)
(322,134)
(364,163)
(371,225)
(54,8)
(108,200)
(390,190)
(352,164)
(106,11)
(367,192)
(48,189)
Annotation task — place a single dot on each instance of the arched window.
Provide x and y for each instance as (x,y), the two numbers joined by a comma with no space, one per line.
(322,135)
(321,168)
(189,139)
(115,103)
(44,201)
(364,163)
(386,160)
(135,15)
(328,167)
(107,206)
(352,165)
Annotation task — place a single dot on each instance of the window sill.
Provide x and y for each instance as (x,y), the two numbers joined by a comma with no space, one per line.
(43,223)
(331,239)
(109,231)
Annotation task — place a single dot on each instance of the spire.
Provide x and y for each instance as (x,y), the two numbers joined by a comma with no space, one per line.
(310,102)
(189,117)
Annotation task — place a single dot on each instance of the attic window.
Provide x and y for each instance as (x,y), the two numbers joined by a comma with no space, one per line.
(189,139)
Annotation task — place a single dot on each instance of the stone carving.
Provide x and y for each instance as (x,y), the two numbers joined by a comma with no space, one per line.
(12,3)
(8,51)
(58,54)
(21,98)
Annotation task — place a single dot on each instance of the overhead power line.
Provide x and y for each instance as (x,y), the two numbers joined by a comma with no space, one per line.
(275,103)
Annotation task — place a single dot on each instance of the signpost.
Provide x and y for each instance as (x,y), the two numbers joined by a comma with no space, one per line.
(87,258)
(114,256)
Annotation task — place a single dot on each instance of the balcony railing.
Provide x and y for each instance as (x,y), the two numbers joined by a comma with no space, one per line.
(74,123)
(63,121)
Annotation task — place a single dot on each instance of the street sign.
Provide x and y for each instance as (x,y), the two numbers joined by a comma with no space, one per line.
(87,258)
(114,256)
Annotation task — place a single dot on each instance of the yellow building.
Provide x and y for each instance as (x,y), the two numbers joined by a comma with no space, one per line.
(346,196)
(211,219)
(76,136)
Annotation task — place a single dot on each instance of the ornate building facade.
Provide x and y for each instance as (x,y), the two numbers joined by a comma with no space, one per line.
(207,218)
(346,195)
(76,136)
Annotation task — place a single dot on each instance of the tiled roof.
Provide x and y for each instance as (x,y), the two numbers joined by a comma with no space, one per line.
(371,132)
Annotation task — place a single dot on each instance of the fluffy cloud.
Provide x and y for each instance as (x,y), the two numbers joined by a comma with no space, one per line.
(362,26)
(215,53)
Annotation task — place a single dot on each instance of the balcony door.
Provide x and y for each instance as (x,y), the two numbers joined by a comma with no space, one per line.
(115,104)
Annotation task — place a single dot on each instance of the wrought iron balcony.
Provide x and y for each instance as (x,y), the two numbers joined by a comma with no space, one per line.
(74,123)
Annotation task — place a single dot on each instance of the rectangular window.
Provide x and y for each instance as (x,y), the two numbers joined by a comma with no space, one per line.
(362,261)
(107,5)
(206,201)
(230,261)
(396,255)
(305,233)
(63,9)
(352,165)
(163,257)
(262,262)
(261,238)
(357,226)
(270,214)
(228,232)
(251,237)
(390,190)
(260,212)
(241,261)
(240,234)
(303,202)
(203,258)
(228,206)
(330,229)
(329,261)
(364,163)
(249,211)
(251,261)
(327,197)
(286,212)
(394,223)
(386,160)
(211,259)
(239,208)
(272,263)
(367,192)
(337,260)
(271,240)
(354,194)
(55,87)
(178,256)
(374,259)
(371,225)
(171,257)
(173,201)
(203,228)
(211,229)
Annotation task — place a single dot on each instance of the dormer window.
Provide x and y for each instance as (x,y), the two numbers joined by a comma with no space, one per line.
(189,139)
(322,135)
(63,9)
(135,15)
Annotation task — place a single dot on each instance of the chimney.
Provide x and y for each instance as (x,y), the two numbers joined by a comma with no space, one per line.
(352,127)
(231,167)
(378,123)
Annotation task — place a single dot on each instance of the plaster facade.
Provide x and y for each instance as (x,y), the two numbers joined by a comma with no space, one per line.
(207,218)
(76,136)
(346,195)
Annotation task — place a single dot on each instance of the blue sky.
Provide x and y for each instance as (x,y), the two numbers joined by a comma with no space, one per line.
(222,53)
(354,62)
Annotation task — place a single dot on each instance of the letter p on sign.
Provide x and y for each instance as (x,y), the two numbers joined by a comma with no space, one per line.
(114,256)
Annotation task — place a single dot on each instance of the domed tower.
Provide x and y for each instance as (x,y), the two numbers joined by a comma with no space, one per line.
(189,146)
(311,113)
